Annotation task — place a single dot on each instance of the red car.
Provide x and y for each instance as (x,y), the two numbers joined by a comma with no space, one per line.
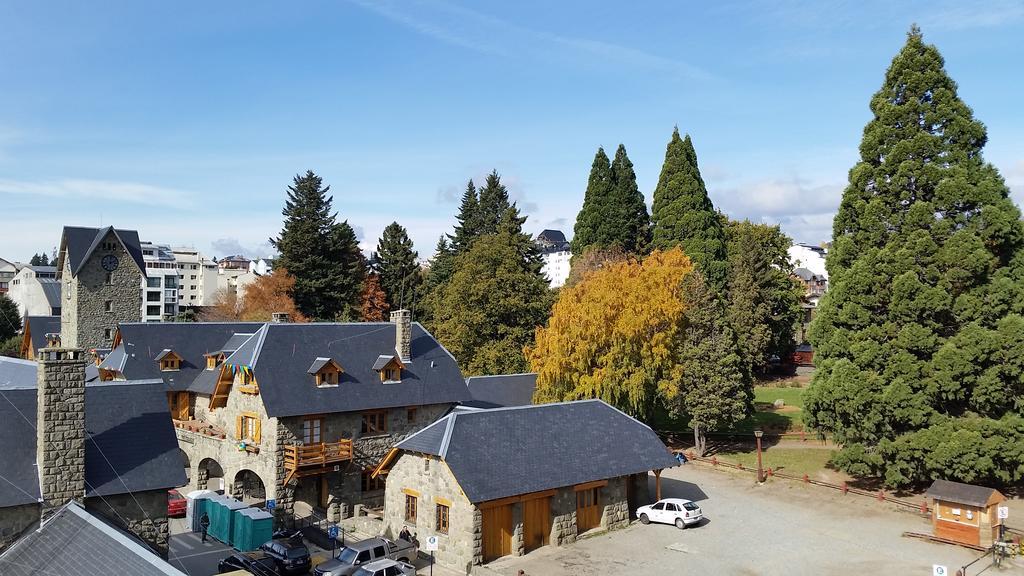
(176,503)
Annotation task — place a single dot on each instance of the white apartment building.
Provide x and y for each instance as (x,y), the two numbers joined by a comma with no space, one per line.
(7,272)
(160,287)
(197,278)
(810,257)
(554,250)
(36,291)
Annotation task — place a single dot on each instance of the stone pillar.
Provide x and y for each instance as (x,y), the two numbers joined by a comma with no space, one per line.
(60,426)
(402,319)
(518,541)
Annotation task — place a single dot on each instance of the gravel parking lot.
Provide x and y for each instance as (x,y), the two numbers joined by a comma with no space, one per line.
(781,528)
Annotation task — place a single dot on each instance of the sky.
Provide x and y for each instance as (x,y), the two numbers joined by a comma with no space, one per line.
(187,120)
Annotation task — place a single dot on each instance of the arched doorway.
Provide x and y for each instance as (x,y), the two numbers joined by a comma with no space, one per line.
(185,462)
(248,487)
(210,476)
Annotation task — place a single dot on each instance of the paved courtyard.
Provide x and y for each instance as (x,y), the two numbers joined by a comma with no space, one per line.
(782,527)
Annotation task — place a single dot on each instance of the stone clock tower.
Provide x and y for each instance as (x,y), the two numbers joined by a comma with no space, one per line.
(101,273)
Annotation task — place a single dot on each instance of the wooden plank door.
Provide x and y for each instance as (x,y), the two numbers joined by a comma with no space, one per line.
(536,523)
(588,509)
(497,532)
(183,406)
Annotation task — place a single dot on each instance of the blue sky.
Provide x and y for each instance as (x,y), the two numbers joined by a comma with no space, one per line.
(187,120)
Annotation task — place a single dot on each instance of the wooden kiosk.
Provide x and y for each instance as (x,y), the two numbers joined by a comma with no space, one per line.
(965,513)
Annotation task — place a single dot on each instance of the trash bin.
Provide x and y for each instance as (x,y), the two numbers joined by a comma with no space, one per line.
(252,527)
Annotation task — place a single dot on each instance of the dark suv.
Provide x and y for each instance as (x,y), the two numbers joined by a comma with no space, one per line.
(254,562)
(291,558)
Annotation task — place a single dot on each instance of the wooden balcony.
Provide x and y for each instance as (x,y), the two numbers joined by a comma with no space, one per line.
(312,459)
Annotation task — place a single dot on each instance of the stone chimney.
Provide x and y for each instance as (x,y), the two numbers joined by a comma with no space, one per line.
(403,333)
(60,426)
(280,317)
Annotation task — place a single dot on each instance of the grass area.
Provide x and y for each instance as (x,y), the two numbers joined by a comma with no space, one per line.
(796,461)
(787,419)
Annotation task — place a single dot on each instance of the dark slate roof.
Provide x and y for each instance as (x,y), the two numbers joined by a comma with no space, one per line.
(51,289)
(280,354)
(501,390)
(74,541)
(961,493)
(129,434)
(81,242)
(552,236)
(510,451)
(43,269)
(382,361)
(142,342)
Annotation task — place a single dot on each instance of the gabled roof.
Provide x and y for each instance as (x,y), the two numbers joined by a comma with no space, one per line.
(74,541)
(38,327)
(383,360)
(141,342)
(81,242)
(501,390)
(130,442)
(552,235)
(318,364)
(961,493)
(280,355)
(165,353)
(511,451)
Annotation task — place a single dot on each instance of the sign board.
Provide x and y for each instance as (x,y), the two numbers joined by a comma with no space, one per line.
(332,532)
(431,544)
(939,570)
(1004,512)
(271,504)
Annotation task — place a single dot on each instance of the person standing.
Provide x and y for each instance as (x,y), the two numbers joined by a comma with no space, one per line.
(204,525)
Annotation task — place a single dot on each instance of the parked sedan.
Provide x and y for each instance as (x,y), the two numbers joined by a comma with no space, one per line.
(291,558)
(386,568)
(253,562)
(676,511)
(176,504)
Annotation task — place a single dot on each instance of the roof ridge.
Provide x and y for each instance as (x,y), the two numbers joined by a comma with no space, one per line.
(447,438)
(502,375)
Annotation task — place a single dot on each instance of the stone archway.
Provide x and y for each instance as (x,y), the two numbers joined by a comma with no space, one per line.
(249,488)
(210,475)
(186,463)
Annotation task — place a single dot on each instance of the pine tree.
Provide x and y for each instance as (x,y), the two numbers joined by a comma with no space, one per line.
(373,301)
(10,318)
(39,260)
(918,342)
(437,276)
(683,214)
(493,204)
(763,298)
(591,230)
(322,254)
(395,264)
(632,223)
(468,228)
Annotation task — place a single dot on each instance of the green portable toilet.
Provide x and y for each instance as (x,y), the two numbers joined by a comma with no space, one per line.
(214,508)
(252,527)
(230,514)
(197,500)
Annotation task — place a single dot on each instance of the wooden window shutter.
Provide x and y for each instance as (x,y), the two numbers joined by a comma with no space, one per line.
(256,433)
(239,423)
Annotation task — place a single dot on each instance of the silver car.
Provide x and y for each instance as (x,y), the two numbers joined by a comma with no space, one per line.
(386,568)
(364,552)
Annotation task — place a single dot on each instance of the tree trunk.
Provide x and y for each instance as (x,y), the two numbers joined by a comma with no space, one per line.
(699,440)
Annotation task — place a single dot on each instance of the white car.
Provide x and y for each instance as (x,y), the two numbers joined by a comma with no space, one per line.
(676,511)
(386,568)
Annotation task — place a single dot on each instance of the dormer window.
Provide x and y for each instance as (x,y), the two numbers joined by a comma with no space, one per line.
(214,360)
(325,372)
(389,367)
(168,360)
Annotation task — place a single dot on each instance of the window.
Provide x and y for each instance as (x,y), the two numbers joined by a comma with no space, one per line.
(170,309)
(658,506)
(108,333)
(193,278)
(410,508)
(152,296)
(169,363)
(248,427)
(108,306)
(442,518)
(371,484)
(378,552)
(110,278)
(153,281)
(392,374)
(152,310)
(327,378)
(111,246)
(375,422)
(311,430)
(410,415)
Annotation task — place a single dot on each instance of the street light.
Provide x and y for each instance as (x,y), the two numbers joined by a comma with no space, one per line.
(760,470)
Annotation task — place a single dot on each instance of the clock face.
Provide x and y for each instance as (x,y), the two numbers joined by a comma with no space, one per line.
(109,263)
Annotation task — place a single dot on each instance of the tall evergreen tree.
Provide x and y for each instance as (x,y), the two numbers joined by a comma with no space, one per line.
(322,254)
(591,230)
(437,276)
(763,298)
(918,342)
(395,263)
(40,259)
(631,218)
(10,318)
(469,216)
(683,214)
(493,203)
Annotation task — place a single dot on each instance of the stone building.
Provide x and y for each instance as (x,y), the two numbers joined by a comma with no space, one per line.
(295,413)
(489,483)
(108,446)
(100,270)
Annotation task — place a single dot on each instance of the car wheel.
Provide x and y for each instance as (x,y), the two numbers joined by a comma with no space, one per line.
(406,560)
(644,519)
(680,524)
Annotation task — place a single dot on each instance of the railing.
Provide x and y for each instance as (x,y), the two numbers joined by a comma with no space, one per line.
(306,455)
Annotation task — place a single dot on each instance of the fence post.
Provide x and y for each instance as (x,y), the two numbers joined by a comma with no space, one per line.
(924,507)
(806,479)
(769,472)
(844,488)
(714,461)
(881,495)
(740,465)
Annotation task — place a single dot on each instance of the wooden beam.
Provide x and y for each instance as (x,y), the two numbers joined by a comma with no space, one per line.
(589,485)
(657,484)
(514,499)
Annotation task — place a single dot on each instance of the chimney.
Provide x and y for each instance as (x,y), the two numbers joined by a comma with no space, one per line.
(53,339)
(280,318)
(60,427)
(403,333)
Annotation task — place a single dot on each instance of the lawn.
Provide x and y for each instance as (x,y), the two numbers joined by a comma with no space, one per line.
(787,419)
(795,461)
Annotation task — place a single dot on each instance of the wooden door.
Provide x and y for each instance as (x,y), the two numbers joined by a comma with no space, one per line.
(536,523)
(324,492)
(588,509)
(183,406)
(497,532)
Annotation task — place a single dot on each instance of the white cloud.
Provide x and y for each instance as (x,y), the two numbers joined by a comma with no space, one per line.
(803,208)
(964,16)
(80,189)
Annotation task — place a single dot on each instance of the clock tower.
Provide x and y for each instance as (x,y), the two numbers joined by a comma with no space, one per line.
(101,273)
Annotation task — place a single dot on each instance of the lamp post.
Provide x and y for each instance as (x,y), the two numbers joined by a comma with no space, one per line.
(760,470)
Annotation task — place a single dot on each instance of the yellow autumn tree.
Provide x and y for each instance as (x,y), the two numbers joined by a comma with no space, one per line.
(615,335)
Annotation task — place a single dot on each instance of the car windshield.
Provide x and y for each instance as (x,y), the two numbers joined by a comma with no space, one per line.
(691,506)
(348,556)
(297,552)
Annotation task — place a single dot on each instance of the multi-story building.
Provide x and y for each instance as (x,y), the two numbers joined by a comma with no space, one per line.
(554,250)
(36,291)
(197,278)
(160,286)
(261,266)
(809,268)
(810,257)
(7,272)
(295,413)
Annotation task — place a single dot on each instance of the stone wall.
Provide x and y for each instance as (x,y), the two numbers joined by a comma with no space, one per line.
(15,521)
(60,427)
(141,513)
(431,478)
(85,319)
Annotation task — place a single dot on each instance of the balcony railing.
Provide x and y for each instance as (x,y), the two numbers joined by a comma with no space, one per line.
(310,459)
